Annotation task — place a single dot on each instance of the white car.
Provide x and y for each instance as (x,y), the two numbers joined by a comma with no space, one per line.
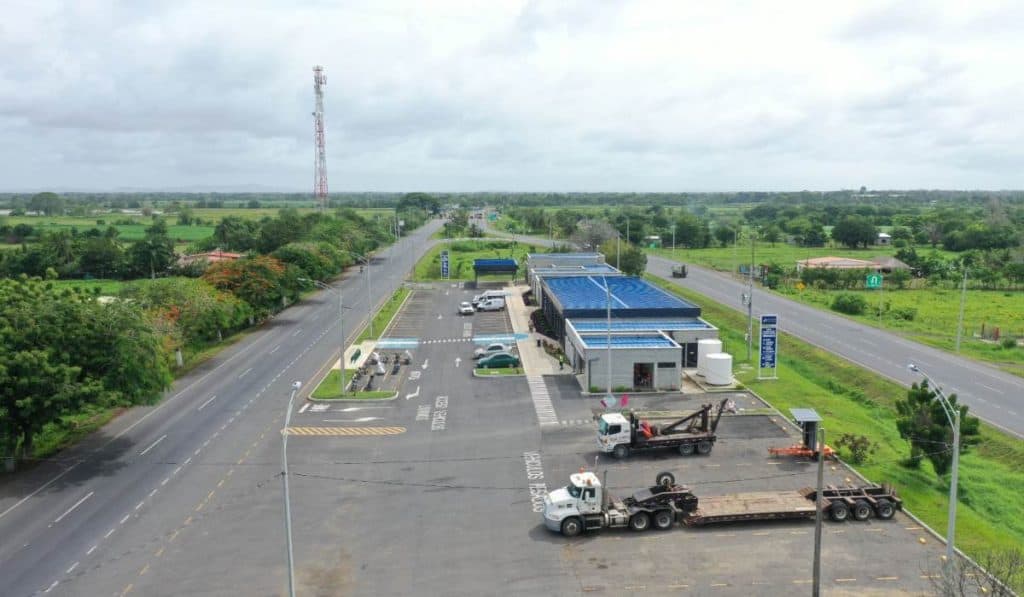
(493,304)
(465,308)
(490,349)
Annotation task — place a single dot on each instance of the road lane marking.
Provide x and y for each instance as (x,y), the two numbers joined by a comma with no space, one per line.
(990,388)
(139,505)
(109,533)
(152,493)
(52,586)
(296,332)
(887,578)
(144,569)
(203,405)
(176,471)
(152,445)
(187,460)
(244,373)
(72,568)
(69,510)
(304,407)
(846,580)
(125,519)
(91,549)
(275,349)
(159,552)
(127,589)
(343,431)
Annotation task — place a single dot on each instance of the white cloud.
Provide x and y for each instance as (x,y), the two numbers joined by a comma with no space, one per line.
(513,95)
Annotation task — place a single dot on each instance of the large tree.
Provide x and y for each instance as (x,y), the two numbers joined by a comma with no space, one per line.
(854,231)
(632,261)
(154,253)
(922,422)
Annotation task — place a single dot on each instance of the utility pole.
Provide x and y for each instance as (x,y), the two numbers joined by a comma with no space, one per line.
(608,340)
(673,240)
(820,501)
(750,301)
(963,298)
(287,500)
(618,238)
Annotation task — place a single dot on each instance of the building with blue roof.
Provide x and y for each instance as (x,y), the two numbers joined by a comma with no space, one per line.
(652,336)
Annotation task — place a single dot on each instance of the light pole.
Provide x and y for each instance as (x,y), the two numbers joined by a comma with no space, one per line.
(963,298)
(287,500)
(953,416)
(341,326)
(608,339)
(673,240)
(818,514)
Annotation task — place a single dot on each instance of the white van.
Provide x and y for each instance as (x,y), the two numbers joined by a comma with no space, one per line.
(490,294)
(491,304)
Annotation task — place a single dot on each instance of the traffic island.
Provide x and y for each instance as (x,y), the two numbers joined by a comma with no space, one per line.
(504,372)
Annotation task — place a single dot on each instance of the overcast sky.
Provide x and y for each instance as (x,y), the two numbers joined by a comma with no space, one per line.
(519,96)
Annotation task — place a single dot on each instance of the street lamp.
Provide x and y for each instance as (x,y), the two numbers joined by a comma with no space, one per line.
(296,386)
(341,326)
(608,339)
(953,416)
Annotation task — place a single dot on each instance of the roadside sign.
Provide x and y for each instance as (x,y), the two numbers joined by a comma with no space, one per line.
(769,347)
(444,265)
(873,281)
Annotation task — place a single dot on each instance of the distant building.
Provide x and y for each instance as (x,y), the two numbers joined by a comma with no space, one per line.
(884,239)
(208,258)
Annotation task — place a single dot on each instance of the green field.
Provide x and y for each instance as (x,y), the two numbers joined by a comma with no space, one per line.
(462,254)
(134,231)
(730,258)
(853,400)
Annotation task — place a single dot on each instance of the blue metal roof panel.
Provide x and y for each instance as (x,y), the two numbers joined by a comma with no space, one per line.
(653,325)
(649,341)
(588,292)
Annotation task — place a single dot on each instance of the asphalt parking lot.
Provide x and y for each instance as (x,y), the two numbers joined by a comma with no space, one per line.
(450,505)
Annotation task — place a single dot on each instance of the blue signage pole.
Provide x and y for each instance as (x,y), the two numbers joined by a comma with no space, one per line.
(444,265)
(769,347)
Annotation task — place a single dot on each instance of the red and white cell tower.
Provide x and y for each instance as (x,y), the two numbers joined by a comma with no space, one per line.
(320,160)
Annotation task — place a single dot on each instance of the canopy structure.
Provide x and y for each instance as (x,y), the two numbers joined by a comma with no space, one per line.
(495,266)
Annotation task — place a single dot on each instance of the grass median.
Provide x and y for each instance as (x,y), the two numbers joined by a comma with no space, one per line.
(853,400)
(462,253)
(383,317)
(329,388)
(495,372)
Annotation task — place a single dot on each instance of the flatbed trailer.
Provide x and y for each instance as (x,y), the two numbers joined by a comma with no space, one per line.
(624,433)
(584,506)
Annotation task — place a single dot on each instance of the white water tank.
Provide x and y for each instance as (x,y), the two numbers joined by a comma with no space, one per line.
(719,369)
(704,348)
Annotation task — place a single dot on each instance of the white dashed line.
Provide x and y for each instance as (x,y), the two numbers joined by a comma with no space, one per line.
(152,493)
(152,445)
(203,405)
(187,460)
(109,533)
(91,549)
(244,373)
(52,586)
(69,510)
(139,505)
(72,568)
(125,519)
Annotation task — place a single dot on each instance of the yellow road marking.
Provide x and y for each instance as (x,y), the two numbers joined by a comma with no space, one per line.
(210,495)
(231,471)
(159,552)
(678,586)
(173,535)
(127,589)
(221,482)
(188,521)
(719,584)
(144,569)
(344,431)
(199,508)
(887,578)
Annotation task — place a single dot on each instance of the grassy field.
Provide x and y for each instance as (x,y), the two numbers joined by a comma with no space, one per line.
(134,231)
(853,400)
(462,254)
(384,316)
(730,258)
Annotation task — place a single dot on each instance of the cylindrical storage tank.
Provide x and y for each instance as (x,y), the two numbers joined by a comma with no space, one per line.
(704,348)
(719,369)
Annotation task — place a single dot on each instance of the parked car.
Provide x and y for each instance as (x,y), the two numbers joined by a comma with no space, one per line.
(493,304)
(488,294)
(498,360)
(490,349)
(465,308)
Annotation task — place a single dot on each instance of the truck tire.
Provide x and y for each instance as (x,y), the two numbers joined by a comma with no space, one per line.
(704,447)
(665,479)
(663,520)
(572,526)
(640,522)
(686,449)
(621,451)
(861,510)
(839,511)
(884,509)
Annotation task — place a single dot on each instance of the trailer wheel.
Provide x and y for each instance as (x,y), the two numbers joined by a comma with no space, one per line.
(686,449)
(640,522)
(861,510)
(884,509)
(572,526)
(839,511)
(665,479)
(704,447)
(621,451)
(663,520)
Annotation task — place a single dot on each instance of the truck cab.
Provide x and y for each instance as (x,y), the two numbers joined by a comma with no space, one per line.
(582,496)
(612,430)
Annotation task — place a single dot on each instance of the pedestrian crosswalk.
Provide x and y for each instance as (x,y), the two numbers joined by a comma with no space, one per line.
(445,340)
(577,423)
(344,431)
(541,400)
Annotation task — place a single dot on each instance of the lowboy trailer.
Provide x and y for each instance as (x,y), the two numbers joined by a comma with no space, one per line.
(583,505)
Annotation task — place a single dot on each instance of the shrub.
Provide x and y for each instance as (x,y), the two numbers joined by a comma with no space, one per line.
(851,304)
(904,313)
(1009,342)
(859,447)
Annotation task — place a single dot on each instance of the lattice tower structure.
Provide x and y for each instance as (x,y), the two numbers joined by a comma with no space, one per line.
(320,158)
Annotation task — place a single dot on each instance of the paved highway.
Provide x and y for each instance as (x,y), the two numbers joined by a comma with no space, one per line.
(78,524)
(994,395)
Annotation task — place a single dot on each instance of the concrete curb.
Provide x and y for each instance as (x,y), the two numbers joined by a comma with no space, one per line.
(330,400)
(475,374)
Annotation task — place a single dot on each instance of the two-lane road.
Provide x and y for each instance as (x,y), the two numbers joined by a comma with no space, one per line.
(992,394)
(66,523)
